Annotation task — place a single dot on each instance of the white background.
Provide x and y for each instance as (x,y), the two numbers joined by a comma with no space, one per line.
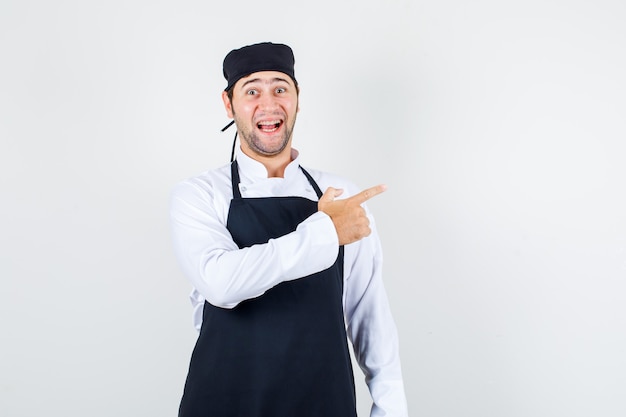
(498,126)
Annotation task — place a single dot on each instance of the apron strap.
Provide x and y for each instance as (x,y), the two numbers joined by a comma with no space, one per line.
(312,182)
(234,176)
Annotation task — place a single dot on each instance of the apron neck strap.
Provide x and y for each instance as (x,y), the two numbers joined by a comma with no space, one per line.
(312,182)
(234,176)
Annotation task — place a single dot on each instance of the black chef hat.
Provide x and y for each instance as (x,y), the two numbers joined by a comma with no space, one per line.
(264,56)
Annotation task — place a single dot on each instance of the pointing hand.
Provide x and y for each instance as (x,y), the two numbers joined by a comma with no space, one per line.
(347,215)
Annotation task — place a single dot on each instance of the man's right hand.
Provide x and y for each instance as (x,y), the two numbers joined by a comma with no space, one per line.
(347,215)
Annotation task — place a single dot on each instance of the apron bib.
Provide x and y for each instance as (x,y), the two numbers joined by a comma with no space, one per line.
(283,354)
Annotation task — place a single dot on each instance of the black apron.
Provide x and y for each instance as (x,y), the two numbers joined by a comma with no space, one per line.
(283,354)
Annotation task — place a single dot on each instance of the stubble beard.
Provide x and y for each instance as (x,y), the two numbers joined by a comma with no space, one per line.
(257,145)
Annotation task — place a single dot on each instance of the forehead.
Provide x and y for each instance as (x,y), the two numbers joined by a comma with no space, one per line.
(264,77)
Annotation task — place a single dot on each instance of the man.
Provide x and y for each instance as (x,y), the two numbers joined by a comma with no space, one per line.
(277,266)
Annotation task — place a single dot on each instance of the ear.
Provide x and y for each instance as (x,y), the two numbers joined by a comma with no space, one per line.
(227,105)
(298,105)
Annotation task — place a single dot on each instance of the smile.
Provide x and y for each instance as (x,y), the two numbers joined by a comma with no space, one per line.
(269,126)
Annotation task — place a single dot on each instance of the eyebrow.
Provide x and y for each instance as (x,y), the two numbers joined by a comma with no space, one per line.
(270,81)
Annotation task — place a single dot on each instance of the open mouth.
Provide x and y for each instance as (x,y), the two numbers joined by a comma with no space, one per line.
(269,126)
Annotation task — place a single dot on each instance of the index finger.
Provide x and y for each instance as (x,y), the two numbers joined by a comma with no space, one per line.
(365,195)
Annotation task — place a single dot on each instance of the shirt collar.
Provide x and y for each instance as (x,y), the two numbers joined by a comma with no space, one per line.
(255,170)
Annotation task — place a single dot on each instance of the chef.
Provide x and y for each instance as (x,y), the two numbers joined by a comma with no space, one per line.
(286,267)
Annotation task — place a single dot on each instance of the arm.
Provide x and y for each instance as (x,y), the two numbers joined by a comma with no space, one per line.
(226,275)
(371,327)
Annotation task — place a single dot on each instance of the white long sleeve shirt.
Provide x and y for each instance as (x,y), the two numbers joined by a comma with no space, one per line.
(225,275)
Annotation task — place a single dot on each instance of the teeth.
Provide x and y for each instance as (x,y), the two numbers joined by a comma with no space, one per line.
(269,126)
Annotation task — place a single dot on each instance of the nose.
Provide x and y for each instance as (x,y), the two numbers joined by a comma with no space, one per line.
(268,102)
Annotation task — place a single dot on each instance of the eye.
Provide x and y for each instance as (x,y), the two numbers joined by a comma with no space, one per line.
(252,92)
(280,90)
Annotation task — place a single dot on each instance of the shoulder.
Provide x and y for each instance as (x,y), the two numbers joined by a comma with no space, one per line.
(199,204)
(325,179)
(208,185)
